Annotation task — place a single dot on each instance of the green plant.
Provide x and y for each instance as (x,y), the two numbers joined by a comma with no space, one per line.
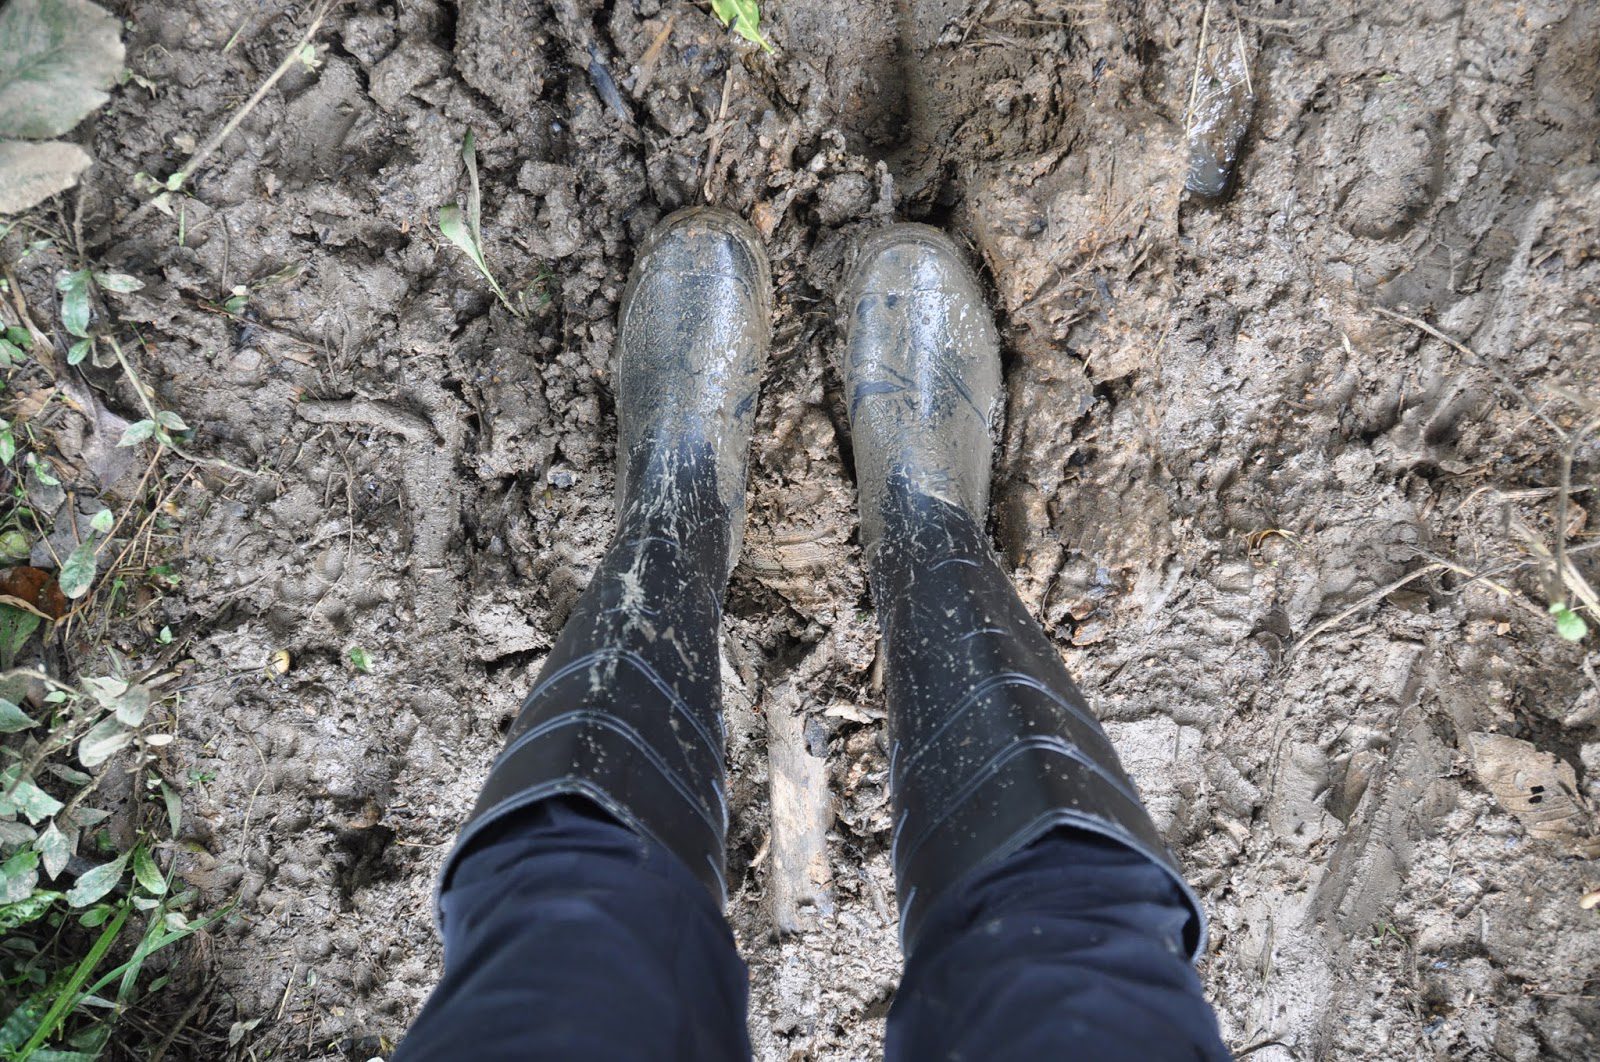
(745,18)
(57,58)
(76,312)
(467,234)
(55,999)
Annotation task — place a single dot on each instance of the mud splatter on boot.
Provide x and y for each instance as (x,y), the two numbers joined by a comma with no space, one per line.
(991,744)
(627,710)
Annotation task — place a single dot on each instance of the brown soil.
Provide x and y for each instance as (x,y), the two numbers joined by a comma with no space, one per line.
(1216,441)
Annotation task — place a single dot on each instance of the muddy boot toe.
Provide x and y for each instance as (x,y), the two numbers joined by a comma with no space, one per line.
(921,372)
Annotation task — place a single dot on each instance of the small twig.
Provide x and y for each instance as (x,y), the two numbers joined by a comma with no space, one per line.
(1199,61)
(145,523)
(214,141)
(647,62)
(371,413)
(1244,56)
(1564,495)
(716,134)
(1371,599)
(183,1019)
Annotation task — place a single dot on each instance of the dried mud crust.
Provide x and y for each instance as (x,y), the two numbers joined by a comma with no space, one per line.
(1214,442)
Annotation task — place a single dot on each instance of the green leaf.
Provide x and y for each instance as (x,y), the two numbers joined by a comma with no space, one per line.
(33,803)
(22,912)
(86,817)
(68,995)
(359,659)
(1569,624)
(102,521)
(18,876)
(744,16)
(15,834)
(106,690)
(469,157)
(455,231)
(11,354)
(147,873)
(55,848)
(137,432)
(8,446)
(77,573)
(78,351)
(74,288)
(103,741)
(93,884)
(56,59)
(133,706)
(20,1023)
(13,719)
(118,282)
(32,173)
(71,775)
(41,472)
(174,803)
(171,421)
(15,628)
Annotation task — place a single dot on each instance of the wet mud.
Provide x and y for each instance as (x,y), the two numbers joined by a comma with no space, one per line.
(1218,437)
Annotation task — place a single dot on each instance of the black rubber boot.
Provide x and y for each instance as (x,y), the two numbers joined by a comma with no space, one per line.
(627,710)
(991,743)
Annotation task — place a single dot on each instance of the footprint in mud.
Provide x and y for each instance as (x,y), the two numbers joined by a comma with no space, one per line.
(316,137)
(1377,139)
(1395,170)
(928,82)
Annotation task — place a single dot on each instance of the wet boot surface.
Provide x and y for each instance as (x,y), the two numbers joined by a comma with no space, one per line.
(627,709)
(991,744)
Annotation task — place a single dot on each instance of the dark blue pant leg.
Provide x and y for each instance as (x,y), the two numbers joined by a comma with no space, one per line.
(569,936)
(1069,949)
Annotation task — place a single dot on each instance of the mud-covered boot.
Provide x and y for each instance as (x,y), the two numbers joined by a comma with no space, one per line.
(991,744)
(627,710)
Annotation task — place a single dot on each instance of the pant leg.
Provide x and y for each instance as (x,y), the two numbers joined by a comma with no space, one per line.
(569,936)
(1071,948)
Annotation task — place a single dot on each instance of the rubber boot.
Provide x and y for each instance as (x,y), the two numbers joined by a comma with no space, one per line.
(991,744)
(627,710)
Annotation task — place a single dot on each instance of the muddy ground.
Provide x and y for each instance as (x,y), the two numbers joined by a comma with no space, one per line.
(1216,442)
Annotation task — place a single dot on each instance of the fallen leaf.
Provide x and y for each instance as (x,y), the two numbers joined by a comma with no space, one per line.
(1540,789)
(33,590)
(29,403)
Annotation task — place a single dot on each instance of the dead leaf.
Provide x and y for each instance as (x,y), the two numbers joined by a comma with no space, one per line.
(30,403)
(850,712)
(1540,789)
(33,590)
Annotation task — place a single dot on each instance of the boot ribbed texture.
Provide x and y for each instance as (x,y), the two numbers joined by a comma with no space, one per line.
(992,745)
(627,710)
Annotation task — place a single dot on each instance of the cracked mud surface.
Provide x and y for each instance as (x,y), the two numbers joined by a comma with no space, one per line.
(1214,443)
